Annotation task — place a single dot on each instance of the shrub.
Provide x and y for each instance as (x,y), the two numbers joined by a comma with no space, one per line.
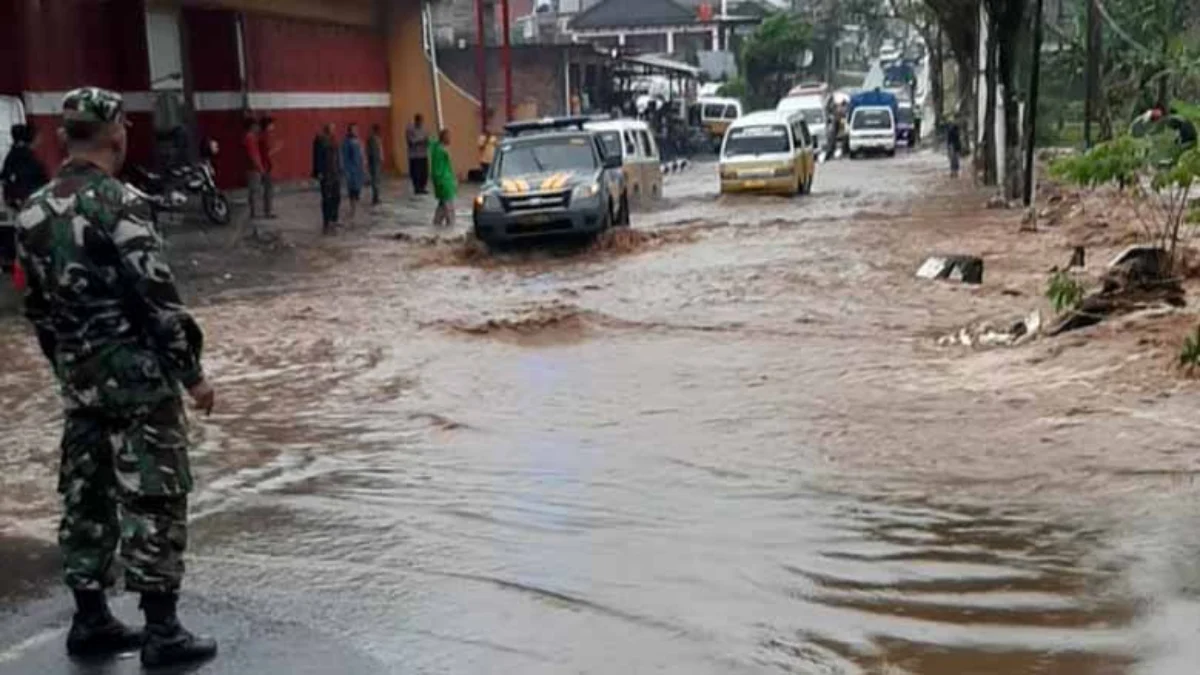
(1154,174)
(1064,292)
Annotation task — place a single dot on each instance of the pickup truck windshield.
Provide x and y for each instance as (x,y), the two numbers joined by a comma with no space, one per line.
(761,140)
(566,154)
(869,119)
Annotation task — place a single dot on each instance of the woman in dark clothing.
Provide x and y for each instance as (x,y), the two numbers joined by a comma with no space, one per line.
(953,146)
(23,173)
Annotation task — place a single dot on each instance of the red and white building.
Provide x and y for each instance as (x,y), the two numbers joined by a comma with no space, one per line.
(209,64)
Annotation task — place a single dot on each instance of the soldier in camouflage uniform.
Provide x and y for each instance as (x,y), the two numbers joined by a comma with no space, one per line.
(122,347)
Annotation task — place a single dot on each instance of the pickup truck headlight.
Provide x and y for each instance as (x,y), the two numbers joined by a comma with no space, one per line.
(586,191)
(487,202)
(784,171)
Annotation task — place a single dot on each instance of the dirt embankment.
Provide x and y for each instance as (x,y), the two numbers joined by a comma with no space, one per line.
(1021,249)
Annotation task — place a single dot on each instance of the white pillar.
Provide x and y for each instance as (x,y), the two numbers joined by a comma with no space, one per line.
(670,42)
(621,39)
(716,38)
(981,80)
(1001,140)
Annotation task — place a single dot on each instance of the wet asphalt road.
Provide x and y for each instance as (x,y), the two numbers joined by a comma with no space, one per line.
(681,456)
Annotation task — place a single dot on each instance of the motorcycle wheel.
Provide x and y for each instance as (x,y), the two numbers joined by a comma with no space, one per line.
(216,207)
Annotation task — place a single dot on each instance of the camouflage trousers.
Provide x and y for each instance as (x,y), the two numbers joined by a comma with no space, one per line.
(124,482)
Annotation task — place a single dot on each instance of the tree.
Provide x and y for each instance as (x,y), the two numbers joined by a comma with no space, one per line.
(957,24)
(1150,53)
(922,18)
(1156,175)
(771,56)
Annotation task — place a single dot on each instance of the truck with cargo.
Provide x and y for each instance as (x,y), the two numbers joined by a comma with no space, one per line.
(872,119)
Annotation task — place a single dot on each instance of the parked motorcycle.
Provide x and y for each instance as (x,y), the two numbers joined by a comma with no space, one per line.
(175,190)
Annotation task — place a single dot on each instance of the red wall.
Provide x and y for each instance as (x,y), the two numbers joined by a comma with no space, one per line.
(296,55)
(211,39)
(284,55)
(107,49)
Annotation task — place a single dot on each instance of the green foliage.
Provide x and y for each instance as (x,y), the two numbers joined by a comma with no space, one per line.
(1150,52)
(1064,292)
(771,56)
(1189,353)
(734,88)
(1117,161)
(1153,172)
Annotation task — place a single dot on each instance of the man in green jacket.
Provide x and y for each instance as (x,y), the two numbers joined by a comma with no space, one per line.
(445,183)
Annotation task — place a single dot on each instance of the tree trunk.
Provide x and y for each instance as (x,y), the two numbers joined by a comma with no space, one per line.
(989,113)
(936,86)
(965,108)
(1005,45)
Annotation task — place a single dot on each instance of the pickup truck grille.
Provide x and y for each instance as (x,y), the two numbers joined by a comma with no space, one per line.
(536,202)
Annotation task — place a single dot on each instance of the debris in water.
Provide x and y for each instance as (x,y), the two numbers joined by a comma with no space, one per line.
(965,268)
(1138,278)
(987,334)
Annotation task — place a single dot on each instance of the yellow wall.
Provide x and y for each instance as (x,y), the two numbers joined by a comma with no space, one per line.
(412,93)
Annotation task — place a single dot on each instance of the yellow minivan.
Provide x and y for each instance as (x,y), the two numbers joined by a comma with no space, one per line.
(716,114)
(634,143)
(769,151)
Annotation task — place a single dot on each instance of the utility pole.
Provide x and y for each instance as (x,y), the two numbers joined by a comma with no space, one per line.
(506,61)
(1091,75)
(481,64)
(1032,105)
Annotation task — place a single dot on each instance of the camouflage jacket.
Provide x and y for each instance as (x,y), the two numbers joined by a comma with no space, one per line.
(101,297)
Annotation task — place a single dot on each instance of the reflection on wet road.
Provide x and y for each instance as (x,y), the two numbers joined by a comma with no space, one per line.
(709,455)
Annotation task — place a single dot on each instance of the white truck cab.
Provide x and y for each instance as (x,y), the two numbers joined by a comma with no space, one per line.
(872,130)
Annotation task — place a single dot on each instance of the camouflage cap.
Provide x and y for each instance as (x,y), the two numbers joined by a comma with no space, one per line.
(93,104)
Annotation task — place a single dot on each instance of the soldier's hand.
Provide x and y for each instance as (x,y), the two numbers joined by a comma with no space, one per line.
(203,396)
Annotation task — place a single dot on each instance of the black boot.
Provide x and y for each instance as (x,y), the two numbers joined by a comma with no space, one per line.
(96,632)
(167,642)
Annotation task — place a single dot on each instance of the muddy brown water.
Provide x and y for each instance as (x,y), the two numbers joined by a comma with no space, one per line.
(721,445)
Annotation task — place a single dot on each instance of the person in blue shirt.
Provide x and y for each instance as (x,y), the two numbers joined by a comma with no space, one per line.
(354,167)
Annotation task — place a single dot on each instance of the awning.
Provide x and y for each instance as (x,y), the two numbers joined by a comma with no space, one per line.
(657,62)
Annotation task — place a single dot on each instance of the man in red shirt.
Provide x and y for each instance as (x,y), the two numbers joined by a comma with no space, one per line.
(268,148)
(255,168)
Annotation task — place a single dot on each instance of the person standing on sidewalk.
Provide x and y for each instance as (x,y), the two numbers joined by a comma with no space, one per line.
(953,146)
(487,148)
(327,170)
(445,182)
(122,347)
(354,167)
(268,148)
(255,167)
(23,173)
(417,141)
(375,161)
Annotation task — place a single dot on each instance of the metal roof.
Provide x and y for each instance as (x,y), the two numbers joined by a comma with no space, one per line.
(634,13)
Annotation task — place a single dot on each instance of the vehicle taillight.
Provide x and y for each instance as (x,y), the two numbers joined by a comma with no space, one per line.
(18,277)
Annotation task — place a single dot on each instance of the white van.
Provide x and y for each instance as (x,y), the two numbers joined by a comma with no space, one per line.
(872,129)
(633,141)
(812,108)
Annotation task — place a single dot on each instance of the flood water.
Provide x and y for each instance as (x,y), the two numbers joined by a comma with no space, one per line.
(726,449)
